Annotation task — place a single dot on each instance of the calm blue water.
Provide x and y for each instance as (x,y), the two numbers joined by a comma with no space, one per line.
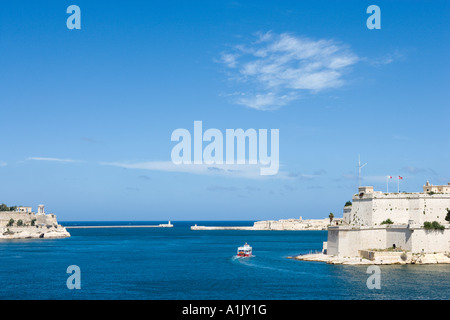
(177,263)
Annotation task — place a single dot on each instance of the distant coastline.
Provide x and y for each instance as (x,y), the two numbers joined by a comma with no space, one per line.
(280,225)
(161,225)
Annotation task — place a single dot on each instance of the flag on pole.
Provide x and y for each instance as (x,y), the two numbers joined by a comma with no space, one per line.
(398,183)
(387,183)
(389,177)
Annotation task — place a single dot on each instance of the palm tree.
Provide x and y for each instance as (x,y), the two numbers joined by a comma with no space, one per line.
(331,216)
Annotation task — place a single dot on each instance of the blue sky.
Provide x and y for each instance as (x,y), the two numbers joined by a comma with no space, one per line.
(87,115)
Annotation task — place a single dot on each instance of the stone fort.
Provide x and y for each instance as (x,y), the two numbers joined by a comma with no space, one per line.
(379,221)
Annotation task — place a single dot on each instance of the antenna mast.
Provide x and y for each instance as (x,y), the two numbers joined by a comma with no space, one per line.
(359,170)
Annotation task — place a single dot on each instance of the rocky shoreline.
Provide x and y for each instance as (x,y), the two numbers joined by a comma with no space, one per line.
(381,258)
(34,232)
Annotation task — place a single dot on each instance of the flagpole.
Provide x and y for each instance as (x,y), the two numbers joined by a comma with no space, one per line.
(387,183)
(398,184)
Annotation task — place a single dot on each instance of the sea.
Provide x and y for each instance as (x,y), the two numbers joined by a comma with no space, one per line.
(182,264)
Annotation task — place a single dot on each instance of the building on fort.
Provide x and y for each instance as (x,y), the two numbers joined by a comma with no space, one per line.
(436,189)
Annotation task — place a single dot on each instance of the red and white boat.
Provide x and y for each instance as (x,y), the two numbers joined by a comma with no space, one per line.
(244,251)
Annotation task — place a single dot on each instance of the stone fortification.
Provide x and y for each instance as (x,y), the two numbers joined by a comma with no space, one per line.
(372,208)
(413,224)
(348,241)
(20,225)
(283,224)
(295,224)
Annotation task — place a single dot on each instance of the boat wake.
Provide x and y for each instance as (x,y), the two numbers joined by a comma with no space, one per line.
(255,263)
(242,258)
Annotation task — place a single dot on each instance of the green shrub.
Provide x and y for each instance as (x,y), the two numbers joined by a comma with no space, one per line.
(10,222)
(348,204)
(19,223)
(433,225)
(388,221)
(437,226)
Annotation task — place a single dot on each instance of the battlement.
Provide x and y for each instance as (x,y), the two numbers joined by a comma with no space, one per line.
(371,208)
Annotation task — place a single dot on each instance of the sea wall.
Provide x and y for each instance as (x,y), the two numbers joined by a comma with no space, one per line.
(430,241)
(348,241)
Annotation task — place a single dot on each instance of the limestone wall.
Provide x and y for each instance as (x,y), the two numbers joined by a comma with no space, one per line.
(293,224)
(283,224)
(373,208)
(360,213)
(398,237)
(332,244)
(46,219)
(430,241)
(348,241)
(5,216)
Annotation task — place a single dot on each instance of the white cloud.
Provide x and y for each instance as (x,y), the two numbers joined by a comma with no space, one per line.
(385,59)
(50,159)
(229,60)
(264,101)
(283,66)
(247,171)
(413,170)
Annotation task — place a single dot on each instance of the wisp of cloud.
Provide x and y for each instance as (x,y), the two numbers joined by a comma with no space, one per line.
(280,67)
